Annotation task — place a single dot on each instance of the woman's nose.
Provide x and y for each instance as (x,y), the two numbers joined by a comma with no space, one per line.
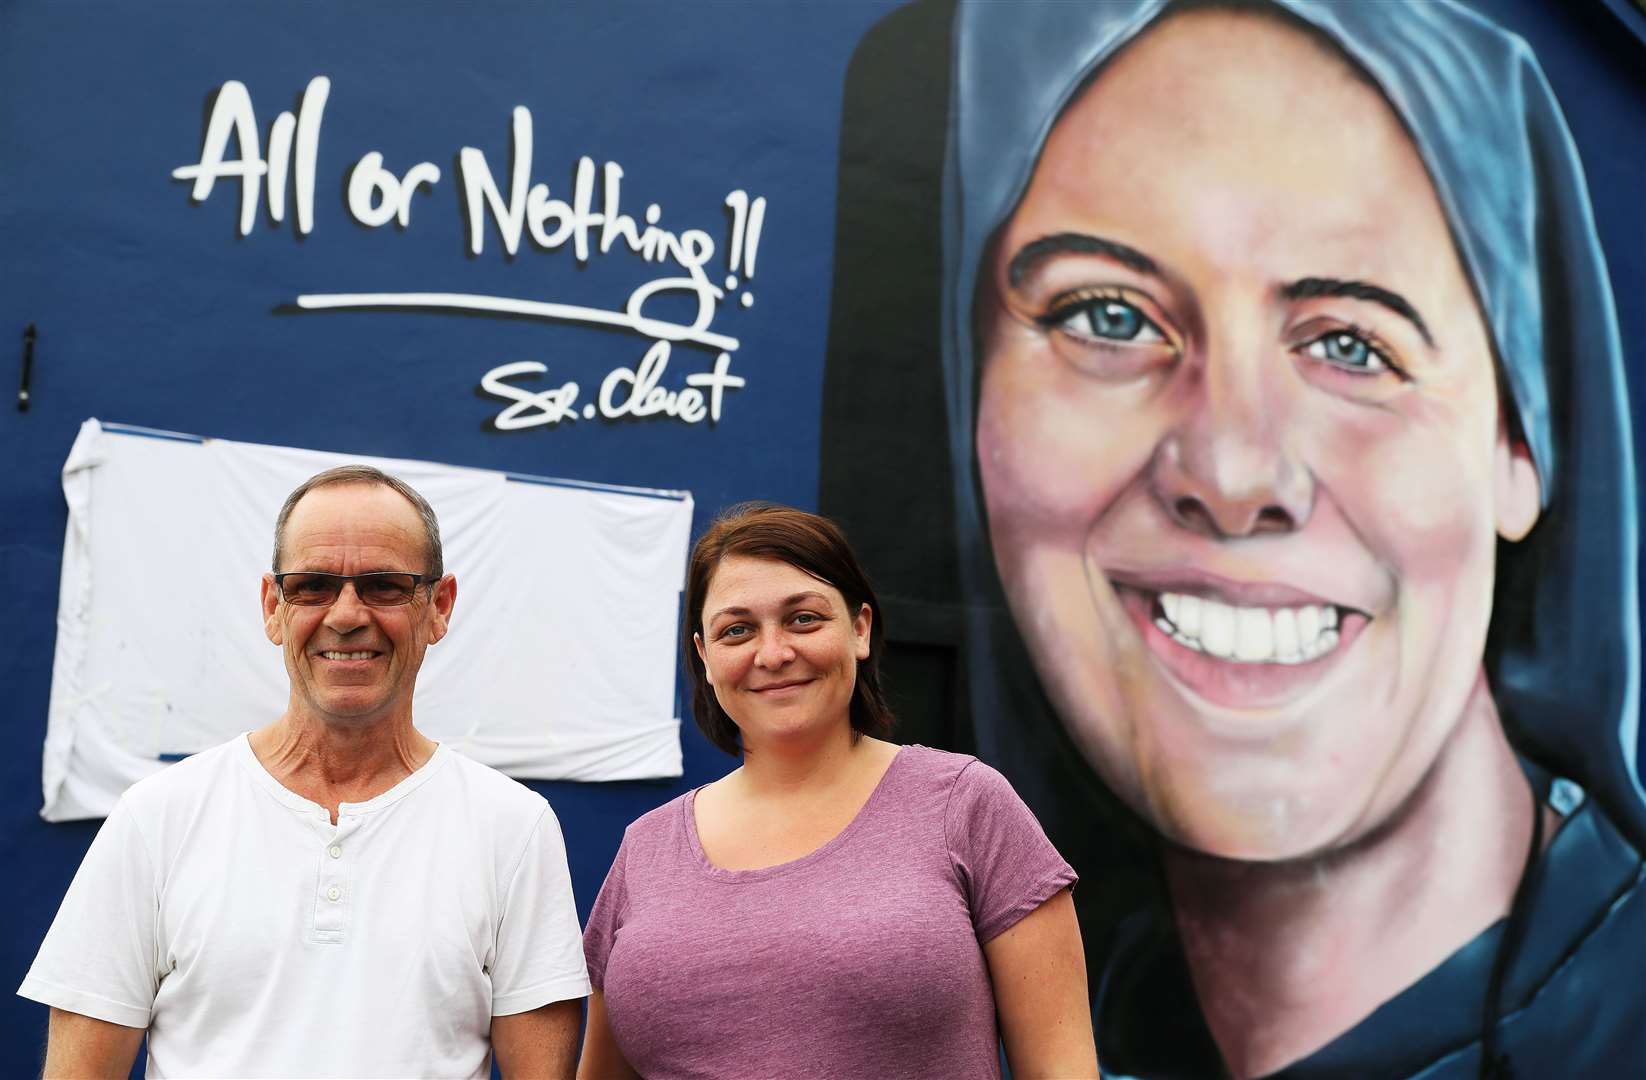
(774,651)
(1226,471)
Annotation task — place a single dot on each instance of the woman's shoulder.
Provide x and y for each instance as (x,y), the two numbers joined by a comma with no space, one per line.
(944,766)
(661,823)
(967,786)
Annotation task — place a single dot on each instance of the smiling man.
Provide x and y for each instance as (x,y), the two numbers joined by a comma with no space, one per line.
(326,895)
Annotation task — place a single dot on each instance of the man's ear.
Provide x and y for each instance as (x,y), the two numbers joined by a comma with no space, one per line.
(1517,492)
(271,603)
(441,603)
(708,676)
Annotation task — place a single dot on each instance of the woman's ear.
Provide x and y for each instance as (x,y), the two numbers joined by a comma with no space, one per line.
(860,631)
(1517,491)
(703,655)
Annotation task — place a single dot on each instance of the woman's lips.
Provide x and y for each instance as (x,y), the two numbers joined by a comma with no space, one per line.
(1241,656)
(772,688)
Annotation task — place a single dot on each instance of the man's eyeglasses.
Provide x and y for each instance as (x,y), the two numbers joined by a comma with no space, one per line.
(385,588)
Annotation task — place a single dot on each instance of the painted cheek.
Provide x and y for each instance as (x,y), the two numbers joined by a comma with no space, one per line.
(1054,448)
(1417,485)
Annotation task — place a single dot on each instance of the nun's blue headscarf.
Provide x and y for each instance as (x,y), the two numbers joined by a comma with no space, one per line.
(1563,658)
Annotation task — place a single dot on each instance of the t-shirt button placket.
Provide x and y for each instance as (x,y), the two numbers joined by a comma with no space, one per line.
(329,908)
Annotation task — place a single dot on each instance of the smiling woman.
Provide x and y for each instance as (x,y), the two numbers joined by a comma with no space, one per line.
(1295,525)
(1283,455)
(830,904)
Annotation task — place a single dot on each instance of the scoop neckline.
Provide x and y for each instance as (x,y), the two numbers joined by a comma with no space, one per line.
(838,840)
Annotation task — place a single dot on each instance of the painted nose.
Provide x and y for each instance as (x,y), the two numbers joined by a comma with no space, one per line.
(1225,472)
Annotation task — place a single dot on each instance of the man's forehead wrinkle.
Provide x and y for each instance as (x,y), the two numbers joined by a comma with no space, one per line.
(358,546)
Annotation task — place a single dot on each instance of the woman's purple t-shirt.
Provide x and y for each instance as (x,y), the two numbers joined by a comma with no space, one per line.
(863,958)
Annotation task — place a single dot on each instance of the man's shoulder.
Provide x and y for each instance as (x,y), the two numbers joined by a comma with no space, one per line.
(497,793)
(189,778)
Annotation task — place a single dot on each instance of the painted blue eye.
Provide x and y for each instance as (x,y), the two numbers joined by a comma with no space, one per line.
(1347,349)
(1115,320)
(1107,319)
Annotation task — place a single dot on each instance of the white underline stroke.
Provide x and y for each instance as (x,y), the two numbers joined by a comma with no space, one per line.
(537,309)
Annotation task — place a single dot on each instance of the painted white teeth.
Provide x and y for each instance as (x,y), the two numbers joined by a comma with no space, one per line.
(1286,636)
(1188,620)
(1308,624)
(1217,629)
(1254,634)
(1251,635)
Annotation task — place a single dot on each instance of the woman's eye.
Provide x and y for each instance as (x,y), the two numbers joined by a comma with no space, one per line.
(1349,350)
(804,618)
(736,630)
(1106,319)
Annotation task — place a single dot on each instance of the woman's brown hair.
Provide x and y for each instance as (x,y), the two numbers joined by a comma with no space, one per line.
(807,542)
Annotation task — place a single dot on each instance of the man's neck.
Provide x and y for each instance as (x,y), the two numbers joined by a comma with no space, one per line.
(1288,956)
(331,763)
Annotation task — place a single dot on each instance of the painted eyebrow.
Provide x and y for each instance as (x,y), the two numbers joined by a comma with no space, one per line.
(1310,287)
(788,601)
(1035,252)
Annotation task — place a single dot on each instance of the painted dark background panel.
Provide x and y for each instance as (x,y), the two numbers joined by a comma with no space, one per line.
(153,310)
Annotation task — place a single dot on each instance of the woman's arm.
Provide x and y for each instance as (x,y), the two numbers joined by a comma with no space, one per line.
(1039,973)
(601,1059)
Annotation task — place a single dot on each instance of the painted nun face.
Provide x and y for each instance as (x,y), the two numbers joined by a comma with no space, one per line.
(1240,443)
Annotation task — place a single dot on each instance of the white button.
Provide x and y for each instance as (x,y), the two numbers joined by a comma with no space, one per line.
(334,894)
(335,852)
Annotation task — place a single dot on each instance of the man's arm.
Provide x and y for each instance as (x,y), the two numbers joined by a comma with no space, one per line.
(83,1047)
(540,1044)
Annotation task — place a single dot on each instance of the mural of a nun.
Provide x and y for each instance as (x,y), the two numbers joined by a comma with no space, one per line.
(1283,427)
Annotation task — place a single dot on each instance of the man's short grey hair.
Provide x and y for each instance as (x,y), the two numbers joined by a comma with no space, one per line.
(367,474)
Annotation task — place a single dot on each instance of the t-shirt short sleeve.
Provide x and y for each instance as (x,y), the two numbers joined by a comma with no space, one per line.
(100,957)
(999,850)
(539,955)
(605,918)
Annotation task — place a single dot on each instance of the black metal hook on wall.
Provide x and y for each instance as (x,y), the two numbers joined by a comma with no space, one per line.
(28,369)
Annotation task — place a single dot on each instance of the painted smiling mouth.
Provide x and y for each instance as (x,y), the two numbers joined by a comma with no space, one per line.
(334,655)
(1248,635)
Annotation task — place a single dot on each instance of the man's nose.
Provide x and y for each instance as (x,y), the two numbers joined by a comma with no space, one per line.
(346,612)
(1226,470)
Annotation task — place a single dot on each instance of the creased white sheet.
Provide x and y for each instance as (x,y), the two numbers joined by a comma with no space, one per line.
(560,663)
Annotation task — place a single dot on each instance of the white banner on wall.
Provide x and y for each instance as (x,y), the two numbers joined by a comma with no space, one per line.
(560,663)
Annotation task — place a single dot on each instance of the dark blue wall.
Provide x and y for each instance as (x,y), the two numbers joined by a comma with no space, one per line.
(154,311)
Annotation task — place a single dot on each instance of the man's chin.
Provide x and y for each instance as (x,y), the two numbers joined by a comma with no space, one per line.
(353,710)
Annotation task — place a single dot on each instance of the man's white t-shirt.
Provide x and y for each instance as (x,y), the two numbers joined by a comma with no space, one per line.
(253,937)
